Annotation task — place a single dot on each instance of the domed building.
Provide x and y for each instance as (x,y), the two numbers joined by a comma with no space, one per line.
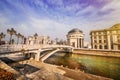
(106,38)
(75,38)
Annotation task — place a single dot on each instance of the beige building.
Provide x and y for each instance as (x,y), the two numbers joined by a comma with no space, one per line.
(75,38)
(106,38)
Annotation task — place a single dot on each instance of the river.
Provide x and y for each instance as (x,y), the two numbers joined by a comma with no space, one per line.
(97,65)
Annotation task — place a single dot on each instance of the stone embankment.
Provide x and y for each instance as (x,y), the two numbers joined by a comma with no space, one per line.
(7,68)
(97,52)
(36,70)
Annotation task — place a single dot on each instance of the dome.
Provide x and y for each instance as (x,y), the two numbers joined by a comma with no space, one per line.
(75,30)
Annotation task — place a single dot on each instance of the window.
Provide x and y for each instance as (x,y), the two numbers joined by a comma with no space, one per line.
(100,46)
(118,47)
(104,41)
(118,40)
(95,47)
(105,37)
(99,37)
(94,33)
(99,32)
(105,47)
(95,37)
(95,41)
(73,44)
(100,41)
(111,46)
(104,33)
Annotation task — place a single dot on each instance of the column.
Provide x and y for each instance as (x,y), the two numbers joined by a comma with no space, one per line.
(77,43)
(98,47)
(103,47)
(97,38)
(115,46)
(102,40)
(92,42)
(108,40)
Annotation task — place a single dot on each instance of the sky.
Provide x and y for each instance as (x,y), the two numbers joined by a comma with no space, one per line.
(56,18)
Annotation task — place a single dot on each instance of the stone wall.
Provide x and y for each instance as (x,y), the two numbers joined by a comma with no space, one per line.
(97,52)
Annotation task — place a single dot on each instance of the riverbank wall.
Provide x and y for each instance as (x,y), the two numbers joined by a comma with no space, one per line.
(106,53)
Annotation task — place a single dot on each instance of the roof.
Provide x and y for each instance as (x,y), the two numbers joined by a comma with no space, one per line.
(114,27)
(75,30)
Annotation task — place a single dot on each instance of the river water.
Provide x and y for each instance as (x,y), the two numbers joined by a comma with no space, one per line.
(97,65)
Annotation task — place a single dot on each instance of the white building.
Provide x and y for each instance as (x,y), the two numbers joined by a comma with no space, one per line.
(38,40)
(75,38)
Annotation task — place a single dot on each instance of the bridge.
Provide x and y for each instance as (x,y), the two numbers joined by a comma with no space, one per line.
(36,49)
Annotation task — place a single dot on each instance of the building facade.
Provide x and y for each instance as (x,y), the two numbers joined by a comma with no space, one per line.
(106,38)
(75,38)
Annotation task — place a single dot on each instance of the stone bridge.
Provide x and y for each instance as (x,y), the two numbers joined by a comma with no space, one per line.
(37,49)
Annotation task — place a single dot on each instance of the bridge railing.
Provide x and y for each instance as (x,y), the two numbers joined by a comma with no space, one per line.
(16,47)
(62,46)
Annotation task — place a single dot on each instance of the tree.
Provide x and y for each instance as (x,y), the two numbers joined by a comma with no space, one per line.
(2,35)
(11,32)
(18,36)
(35,36)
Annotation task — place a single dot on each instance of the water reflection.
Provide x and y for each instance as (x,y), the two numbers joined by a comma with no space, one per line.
(103,66)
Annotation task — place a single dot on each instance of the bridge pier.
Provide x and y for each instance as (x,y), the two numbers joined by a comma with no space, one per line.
(37,55)
(70,50)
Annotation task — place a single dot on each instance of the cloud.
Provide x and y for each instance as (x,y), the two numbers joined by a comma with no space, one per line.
(89,9)
(55,2)
(49,27)
(109,13)
(56,17)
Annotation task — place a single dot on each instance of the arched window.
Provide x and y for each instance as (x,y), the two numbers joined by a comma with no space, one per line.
(100,46)
(95,46)
(118,47)
(105,47)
